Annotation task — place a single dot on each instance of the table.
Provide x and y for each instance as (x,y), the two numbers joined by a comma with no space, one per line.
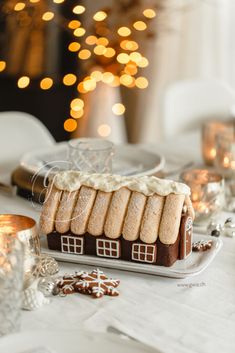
(173,315)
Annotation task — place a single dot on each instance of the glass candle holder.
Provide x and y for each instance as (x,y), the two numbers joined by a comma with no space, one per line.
(210,129)
(91,155)
(11,283)
(26,230)
(225,154)
(207,192)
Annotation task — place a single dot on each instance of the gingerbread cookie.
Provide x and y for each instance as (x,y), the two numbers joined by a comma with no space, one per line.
(97,284)
(67,283)
(202,245)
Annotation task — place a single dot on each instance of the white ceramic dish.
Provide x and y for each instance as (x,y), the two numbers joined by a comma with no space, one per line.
(128,160)
(191,266)
(76,341)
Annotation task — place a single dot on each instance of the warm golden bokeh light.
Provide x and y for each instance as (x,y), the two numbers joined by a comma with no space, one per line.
(97,75)
(46,83)
(104,130)
(77,104)
(79,32)
(89,84)
(131,69)
(74,46)
(109,52)
(129,45)
(123,58)
(118,109)
(126,80)
(76,114)
(80,88)
(58,1)
(115,82)
(79,9)
(149,13)
(84,54)
(2,65)
(23,82)
(136,57)
(102,41)
(140,25)
(141,82)
(19,6)
(99,50)
(91,40)
(100,16)
(124,31)
(107,77)
(48,16)
(132,45)
(143,62)
(69,79)
(74,24)
(70,125)
(34,1)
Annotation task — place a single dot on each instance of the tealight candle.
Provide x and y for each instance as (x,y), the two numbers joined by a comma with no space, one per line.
(207,192)
(210,130)
(26,231)
(225,157)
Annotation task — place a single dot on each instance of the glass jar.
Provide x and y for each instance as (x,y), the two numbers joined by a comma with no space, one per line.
(91,155)
(11,283)
(207,193)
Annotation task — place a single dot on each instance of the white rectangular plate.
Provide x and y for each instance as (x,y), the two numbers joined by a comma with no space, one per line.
(193,265)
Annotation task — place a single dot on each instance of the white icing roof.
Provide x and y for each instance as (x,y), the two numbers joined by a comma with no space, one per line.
(148,185)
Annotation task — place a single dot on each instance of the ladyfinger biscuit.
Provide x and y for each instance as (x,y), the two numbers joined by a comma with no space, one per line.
(151,218)
(135,210)
(171,218)
(98,213)
(51,203)
(189,205)
(64,214)
(116,213)
(82,210)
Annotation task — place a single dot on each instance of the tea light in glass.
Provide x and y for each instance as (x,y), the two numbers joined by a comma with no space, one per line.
(26,231)
(225,156)
(207,192)
(210,129)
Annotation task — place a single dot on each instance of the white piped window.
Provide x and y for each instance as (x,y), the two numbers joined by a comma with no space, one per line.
(189,224)
(72,245)
(108,248)
(144,253)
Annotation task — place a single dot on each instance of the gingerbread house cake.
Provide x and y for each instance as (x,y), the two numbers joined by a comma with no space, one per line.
(143,219)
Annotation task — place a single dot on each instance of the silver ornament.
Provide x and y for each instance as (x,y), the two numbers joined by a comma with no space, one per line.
(46,285)
(46,266)
(214,225)
(229,228)
(33,299)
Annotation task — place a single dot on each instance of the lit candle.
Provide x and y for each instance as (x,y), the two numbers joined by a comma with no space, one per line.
(24,228)
(207,192)
(225,158)
(210,130)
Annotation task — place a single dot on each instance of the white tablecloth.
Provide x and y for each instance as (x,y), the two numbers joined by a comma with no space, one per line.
(173,315)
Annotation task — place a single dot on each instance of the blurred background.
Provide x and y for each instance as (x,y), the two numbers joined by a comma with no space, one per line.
(110,68)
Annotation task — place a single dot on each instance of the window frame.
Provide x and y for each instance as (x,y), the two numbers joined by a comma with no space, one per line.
(74,245)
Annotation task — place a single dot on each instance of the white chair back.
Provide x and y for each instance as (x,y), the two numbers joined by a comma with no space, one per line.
(20,133)
(188,103)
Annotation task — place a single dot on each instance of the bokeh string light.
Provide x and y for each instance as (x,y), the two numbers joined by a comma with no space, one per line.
(110,55)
